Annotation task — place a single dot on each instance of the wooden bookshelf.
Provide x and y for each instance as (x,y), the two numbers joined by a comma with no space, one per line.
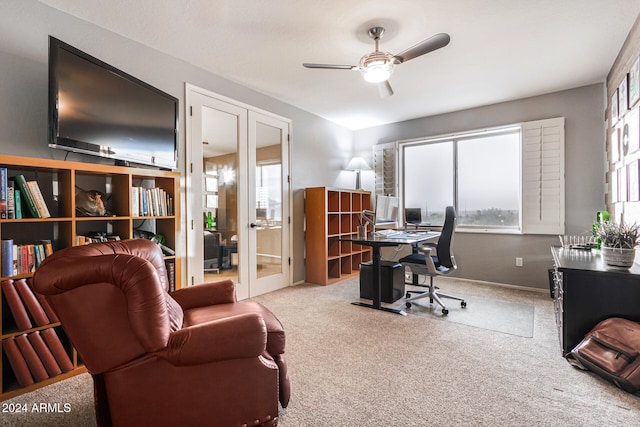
(59,182)
(332,214)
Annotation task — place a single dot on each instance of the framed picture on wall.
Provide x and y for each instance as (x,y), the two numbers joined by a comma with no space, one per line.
(634,83)
(633,181)
(614,186)
(623,96)
(614,140)
(614,107)
(622,184)
(632,124)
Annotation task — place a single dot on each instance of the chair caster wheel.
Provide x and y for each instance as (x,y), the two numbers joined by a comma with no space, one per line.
(408,295)
(463,304)
(445,311)
(408,305)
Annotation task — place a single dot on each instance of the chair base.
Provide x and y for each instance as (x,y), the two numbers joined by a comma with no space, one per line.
(434,295)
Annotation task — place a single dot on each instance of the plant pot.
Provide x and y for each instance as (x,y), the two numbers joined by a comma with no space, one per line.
(618,257)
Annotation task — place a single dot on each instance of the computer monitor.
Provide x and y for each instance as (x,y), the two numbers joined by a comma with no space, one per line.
(412,215)
(387,208)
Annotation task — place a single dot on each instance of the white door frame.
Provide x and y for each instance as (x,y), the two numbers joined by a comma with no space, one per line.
(192,221)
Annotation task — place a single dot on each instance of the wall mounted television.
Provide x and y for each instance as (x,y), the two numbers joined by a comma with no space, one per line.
(97,109)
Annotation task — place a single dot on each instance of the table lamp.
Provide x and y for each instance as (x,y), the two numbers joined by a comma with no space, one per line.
(358,164)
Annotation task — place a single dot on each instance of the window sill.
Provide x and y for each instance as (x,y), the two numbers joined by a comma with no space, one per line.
(487,230)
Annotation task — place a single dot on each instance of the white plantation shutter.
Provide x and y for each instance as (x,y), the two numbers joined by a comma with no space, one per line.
(384,166)
(543,176)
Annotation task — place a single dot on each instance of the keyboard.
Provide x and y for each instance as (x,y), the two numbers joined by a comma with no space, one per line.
(387,233)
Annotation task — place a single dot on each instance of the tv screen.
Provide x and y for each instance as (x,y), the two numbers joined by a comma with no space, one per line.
(96,109)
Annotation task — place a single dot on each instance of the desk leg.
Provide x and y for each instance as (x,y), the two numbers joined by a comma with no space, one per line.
(377,285)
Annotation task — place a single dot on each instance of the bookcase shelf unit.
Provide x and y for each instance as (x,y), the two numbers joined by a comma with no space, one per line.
(59,182)
(332,214)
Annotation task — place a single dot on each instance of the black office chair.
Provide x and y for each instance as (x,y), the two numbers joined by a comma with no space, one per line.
(443,262)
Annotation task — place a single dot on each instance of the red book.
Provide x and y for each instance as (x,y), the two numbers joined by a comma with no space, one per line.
(58,351)
(47,307)
(31,302)
(44,354)
(16,306)
(36,367)
(17,362)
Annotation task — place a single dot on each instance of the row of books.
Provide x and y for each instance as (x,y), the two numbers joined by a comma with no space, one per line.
(99,237)
(20,198)
(150,202)
(29,309)
(22,258)
(36,356)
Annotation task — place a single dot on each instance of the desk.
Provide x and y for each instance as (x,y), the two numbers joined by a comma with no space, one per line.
(586,291)
(402,238)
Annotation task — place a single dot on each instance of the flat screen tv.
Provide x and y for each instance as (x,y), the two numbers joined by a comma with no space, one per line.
(96,109)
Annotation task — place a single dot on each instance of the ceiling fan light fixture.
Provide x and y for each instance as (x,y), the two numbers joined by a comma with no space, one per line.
(376,67)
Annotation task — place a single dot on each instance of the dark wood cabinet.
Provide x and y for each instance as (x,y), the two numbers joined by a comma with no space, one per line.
(586,291)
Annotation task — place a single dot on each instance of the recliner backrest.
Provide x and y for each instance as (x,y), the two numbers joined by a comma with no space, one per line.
(444,248)
(111,299)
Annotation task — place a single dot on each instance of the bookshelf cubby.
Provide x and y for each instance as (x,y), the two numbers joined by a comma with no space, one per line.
(332,214)
(59,181)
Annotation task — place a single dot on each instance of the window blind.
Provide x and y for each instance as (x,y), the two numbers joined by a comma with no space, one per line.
(543,176)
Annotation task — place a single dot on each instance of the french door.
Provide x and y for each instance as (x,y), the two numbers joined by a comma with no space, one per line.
(238,195)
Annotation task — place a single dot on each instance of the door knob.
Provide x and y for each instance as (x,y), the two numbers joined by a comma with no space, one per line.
(253,225)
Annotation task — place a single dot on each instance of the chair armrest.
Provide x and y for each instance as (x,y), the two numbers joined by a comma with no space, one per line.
(426,250)
(236,337)
(222,292)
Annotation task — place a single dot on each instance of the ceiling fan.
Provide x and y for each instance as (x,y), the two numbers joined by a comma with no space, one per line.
(377,66)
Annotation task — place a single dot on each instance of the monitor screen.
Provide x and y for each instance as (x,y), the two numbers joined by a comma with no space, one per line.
(413,215)
(387,209)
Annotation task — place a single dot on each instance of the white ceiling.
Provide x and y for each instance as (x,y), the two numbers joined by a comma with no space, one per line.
(500,50)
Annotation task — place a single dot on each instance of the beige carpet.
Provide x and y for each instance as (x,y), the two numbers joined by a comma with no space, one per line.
(355,366)
(481,312)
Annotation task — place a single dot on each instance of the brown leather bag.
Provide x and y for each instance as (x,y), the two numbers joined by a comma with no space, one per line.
(611,350)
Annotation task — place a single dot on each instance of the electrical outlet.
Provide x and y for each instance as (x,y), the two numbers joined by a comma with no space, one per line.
(518,262)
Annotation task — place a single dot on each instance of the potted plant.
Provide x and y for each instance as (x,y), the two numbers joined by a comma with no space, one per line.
(618,242)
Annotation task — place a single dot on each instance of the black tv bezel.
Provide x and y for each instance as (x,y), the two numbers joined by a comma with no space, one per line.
(83,147)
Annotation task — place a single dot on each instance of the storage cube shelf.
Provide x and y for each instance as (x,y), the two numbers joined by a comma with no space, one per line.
(59,181)
(332,214)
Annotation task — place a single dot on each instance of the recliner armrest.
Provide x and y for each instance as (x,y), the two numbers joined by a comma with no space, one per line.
(213,293)
(236,337)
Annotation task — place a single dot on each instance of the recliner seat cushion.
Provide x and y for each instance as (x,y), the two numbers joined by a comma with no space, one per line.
(275,331)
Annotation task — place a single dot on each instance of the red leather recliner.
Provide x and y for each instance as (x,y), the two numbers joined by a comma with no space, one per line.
(195,357)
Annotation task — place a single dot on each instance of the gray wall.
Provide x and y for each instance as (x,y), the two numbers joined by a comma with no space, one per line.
(320,149)
(491,257)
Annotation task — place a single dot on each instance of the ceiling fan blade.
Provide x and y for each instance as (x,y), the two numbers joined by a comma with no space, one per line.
(330,66)
(426,46)
(384,88)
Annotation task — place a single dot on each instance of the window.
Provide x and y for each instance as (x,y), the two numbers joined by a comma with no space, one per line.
(268,192)
(478,173)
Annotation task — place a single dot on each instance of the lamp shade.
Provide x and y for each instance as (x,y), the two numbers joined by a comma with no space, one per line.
(358,164)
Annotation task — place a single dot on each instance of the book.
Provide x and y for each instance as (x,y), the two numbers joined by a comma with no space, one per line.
(11,200)
(51,314)
(3,192)
(16,307)
(38,198)
(48,247)
(44,353)
(6,254)
(17,198)
(26,196)
(17,362)
(135,201)
(52,340)
(36,367)
(31,302)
